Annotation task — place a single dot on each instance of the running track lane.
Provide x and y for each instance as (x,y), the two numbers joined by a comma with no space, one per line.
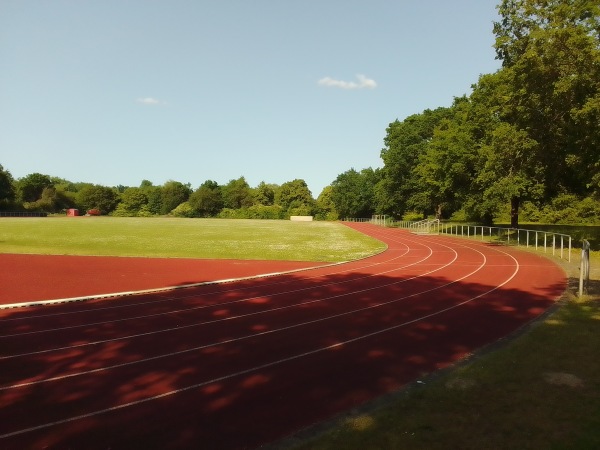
(33,278)
(241,364)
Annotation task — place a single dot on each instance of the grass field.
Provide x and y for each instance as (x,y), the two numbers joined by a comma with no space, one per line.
(189,238)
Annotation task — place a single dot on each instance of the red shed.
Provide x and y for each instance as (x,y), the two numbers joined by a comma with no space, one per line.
(72,212)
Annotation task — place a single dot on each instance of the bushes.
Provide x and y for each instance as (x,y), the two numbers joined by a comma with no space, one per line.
(184,210)
(564,209)
(412,216)
(254,212)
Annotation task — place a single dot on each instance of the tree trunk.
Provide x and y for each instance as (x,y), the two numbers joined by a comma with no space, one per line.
(487,219)
(514,212)
(438,212)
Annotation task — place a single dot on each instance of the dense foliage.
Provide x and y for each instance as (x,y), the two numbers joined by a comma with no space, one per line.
(236,199)
(526,141)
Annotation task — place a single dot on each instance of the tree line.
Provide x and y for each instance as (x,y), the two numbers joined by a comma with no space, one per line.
(525,143)
(235,199)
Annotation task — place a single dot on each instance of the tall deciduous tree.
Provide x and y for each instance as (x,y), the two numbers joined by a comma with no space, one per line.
(207,200)
(325,206)
(133,202)
(237,194)
(7,189)
(154,196)
(353,193)
(264,194)
(98,197)
(550,50)
(173,193)
(447,165)
(404,143)
(30,187)
(296,198)
(506,175)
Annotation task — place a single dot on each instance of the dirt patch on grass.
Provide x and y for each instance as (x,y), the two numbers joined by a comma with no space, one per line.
(563,379)
(460,383)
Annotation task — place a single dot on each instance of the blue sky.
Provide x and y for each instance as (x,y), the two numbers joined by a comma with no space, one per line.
(117,91)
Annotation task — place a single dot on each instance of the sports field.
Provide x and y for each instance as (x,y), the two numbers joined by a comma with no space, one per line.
(243,364)
(185,238)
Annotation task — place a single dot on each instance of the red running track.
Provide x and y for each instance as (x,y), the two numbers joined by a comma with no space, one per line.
(33,278)
(241,364)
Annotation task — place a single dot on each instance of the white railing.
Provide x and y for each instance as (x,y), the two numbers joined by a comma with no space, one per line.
(427,226)
(356,219)
(584,270)
(559,244)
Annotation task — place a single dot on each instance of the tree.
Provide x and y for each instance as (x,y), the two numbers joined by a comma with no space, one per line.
(507,174)
(237,194)
(296,198)
(352,193)
(133,203)
(550,51)
(7,189)
(30,187)
(446,165)
(264,194)
(404,142)
(207,200)
(153,195)
(173,193)
(523,20)
(98,197)
(51,200)
(325,206)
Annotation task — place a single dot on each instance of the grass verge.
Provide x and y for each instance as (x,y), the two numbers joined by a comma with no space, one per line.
(538,390)
(186,238)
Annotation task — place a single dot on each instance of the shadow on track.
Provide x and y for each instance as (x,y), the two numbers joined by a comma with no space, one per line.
(222,373)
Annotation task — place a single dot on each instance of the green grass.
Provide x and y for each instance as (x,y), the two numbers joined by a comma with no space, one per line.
(189,238)
(539,390)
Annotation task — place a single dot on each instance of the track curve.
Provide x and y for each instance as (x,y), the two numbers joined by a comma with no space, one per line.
(241,364)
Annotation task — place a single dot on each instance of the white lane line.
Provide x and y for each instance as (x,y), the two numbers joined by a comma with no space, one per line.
(484,260)
(407,249)
(215,305)
(182,327)
(241,338)
(255,368)
(209,283)
(141,291)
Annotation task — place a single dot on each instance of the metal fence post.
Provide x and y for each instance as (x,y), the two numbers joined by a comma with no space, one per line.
(584,270)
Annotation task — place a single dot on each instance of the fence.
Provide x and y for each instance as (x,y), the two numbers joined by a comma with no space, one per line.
(584,271)
(22,214)
(355,219)
(559,244)
(425,226)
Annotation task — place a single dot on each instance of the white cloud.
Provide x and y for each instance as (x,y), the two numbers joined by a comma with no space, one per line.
(149,101)
(363,83)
